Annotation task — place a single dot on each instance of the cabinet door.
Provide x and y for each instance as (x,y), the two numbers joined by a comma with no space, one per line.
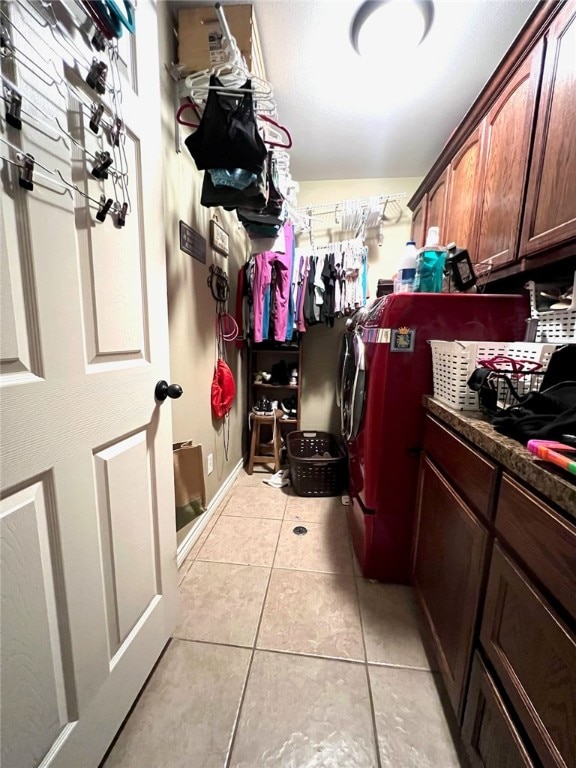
(534,655)
(437,197)
(461,210)
(550,216)
(488,733)
(543,540)
(418,230)
(508,128)
(448,565)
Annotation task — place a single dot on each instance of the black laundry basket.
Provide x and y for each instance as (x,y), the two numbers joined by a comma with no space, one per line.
(311,473)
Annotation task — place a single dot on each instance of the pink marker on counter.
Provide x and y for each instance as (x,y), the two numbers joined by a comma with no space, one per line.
(548,450)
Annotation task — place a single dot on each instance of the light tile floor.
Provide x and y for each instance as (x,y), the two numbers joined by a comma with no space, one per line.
(283,656)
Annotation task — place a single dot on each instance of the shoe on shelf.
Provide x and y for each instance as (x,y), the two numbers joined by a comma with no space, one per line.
(280,373)
(263,407)
(290,407)
(262,377)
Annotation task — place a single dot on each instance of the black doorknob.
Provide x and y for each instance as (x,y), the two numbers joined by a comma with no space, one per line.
(164,390)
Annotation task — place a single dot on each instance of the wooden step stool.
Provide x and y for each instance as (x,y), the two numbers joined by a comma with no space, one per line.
(256,457)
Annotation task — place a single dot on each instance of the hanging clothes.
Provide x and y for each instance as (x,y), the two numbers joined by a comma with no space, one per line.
(302,290)
(227,136)
(292,288)
(337,280)
(253,197)
(263,264)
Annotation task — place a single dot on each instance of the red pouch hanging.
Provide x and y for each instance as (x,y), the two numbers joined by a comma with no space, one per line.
(223,390)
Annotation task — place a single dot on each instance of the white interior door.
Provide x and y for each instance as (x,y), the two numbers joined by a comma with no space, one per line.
(88,544)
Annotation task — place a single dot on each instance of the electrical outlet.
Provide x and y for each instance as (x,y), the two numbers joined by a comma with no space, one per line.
(210,463)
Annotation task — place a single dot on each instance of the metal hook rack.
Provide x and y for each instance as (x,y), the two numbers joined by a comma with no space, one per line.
(12,97)
(30,175)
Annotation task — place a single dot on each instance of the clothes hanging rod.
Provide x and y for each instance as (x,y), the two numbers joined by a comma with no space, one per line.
(338,207)
(224,24)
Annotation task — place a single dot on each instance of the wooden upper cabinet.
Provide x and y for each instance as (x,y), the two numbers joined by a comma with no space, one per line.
(437,198)
(506,146)
(461,209)
(418,230)
(550,215)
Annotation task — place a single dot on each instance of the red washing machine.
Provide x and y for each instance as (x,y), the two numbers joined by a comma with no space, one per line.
(385,369)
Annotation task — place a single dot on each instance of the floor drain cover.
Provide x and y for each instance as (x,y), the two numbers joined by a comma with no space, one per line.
(300,530)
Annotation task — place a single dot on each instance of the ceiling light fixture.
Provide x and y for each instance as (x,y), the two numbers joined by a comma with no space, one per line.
(393,26)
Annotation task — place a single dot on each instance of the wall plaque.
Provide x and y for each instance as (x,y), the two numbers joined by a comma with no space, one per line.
(219,238)
(192,243)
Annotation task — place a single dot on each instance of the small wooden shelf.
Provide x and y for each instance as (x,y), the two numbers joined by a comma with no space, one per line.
(276,386)
(263,357)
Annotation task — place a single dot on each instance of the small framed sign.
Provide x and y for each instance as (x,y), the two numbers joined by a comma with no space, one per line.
(192,243)
(219,238)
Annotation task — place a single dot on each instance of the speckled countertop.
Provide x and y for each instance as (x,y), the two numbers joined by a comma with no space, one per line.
(557,486)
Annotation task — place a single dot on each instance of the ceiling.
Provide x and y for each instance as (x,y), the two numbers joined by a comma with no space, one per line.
(351,119)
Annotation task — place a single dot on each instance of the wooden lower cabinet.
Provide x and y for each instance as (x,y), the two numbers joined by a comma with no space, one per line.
(472,476)
(498,596)
(488,732)
(534,656)
(448,570)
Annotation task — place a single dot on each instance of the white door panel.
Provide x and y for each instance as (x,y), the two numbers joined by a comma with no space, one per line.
(88,543)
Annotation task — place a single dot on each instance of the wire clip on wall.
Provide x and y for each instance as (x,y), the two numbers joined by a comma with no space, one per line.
(26,172)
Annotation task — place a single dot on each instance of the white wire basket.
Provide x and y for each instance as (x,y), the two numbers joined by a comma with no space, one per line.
(453,362)
(554,325)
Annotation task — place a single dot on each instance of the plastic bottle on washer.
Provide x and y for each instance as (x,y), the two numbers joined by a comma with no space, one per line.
(404,281)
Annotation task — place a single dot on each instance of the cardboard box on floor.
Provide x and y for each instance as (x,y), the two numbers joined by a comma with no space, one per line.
(189,487)
(200,38)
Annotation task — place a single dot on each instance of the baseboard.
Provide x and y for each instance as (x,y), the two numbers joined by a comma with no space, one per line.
(194,534)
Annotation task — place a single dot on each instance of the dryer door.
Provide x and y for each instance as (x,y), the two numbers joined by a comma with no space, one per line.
(345,379)
(353,387)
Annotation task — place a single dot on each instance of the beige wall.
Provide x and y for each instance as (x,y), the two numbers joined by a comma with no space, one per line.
(320,349)
(191,308)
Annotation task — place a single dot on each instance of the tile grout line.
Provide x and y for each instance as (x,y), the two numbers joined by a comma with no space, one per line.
(366,665)
(251,662)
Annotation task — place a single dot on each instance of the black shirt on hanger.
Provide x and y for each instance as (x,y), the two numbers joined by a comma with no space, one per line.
(227,136)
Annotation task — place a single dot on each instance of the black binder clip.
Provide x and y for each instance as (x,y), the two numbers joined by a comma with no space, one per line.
(96,117)
(98,41)
(13,108)
(6,47)
(116,132)
(25,179)
(105,206)
(103,161)
(121,218)
(96,77)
